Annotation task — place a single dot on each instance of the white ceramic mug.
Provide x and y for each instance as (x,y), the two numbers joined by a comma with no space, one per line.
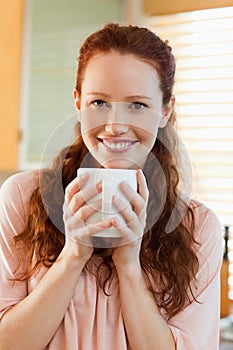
(110,179)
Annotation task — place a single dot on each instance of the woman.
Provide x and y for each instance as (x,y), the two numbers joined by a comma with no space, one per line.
(156,291)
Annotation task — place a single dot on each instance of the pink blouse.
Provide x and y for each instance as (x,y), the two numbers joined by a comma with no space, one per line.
(93,321)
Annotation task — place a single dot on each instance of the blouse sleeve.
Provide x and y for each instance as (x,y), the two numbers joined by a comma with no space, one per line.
(12,220)
(197,326)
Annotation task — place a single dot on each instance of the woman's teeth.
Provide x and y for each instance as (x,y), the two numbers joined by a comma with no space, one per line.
(116,146)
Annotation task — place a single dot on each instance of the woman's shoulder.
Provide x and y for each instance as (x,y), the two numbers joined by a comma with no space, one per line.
(202,212)
(24,179)
(205,219)
(15,194)
(19,186)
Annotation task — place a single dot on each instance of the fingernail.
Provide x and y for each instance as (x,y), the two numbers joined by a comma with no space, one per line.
(99,186)
(114,222)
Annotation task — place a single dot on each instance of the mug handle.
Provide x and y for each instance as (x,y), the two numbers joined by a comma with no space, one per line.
(106,199)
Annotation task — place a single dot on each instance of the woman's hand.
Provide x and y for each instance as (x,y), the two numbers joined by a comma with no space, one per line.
(132,224)
(75,213)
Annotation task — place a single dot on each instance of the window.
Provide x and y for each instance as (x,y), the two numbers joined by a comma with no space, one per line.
(54,30)
(203,47)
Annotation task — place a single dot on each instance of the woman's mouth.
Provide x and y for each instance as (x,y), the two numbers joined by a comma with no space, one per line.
(117,145)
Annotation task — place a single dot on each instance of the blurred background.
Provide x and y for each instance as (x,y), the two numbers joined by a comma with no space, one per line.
(39,43)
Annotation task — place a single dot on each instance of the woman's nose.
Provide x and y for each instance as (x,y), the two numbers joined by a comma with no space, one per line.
(116,128)
(116,123)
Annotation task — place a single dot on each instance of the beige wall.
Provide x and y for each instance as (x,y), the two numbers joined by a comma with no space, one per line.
(154,7)
(11,19)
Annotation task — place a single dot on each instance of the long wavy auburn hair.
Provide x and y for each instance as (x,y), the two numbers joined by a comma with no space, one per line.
(168,259)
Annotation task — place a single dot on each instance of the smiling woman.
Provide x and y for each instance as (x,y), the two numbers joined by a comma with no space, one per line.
(154,288)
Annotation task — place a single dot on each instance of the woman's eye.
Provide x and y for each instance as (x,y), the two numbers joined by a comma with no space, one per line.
(99,103)
(138,106)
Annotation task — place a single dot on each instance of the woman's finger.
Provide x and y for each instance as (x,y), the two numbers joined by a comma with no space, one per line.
(135,198)
(123,229)
(142,185)
(83,196)
(89,209)
(75,186)
(126,212)
(83,235)
(128,235)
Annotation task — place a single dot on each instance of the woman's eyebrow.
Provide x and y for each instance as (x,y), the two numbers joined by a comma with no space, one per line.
(127,98)
(96,93)
(135,97)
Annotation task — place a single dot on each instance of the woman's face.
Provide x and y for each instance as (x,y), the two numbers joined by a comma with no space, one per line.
(120,109)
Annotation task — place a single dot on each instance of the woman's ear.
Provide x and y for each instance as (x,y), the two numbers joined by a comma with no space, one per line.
(76,100)
(167,112)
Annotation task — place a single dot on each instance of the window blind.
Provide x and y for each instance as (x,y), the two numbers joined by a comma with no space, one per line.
(202,42)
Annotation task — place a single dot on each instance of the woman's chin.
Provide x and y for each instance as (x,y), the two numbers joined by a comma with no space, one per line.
(119,164)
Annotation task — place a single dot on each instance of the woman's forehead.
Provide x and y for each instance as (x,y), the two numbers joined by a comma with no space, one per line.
(126,73)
